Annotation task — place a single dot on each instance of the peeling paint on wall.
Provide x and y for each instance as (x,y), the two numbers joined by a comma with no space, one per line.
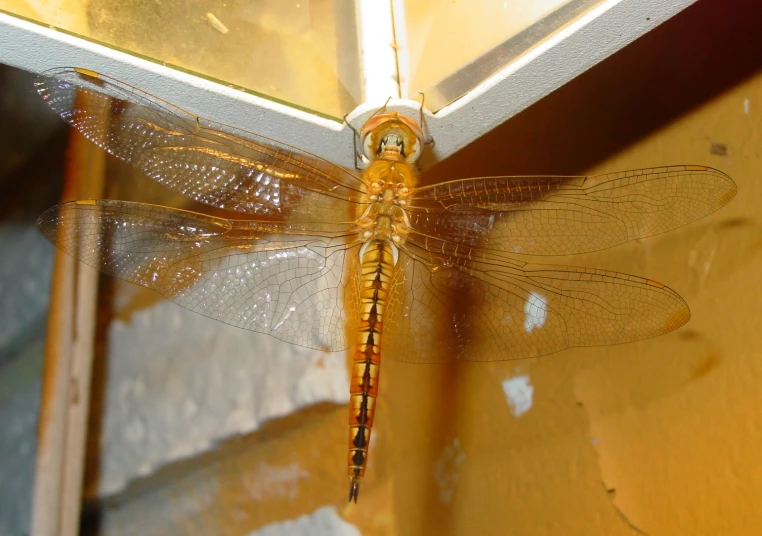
(446,470)
(536,311)
(518,392)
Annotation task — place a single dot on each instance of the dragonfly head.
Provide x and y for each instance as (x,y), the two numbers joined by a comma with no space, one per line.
(393,135)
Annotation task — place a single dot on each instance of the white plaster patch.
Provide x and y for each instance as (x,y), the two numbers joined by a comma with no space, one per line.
(519,394)
(270,481)
(746,106)
(536,311)
(324,521)
(177,383)
(446,470)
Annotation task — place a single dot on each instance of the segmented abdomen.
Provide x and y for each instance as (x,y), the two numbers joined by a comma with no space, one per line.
(376,265)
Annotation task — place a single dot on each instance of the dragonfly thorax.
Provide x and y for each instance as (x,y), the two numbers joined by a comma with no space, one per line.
(389,193)
(384,221)
(385,217)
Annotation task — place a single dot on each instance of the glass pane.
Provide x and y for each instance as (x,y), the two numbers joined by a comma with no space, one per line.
(303,52)
(490,35)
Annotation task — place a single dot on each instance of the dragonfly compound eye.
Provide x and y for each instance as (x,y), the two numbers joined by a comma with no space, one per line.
(391,134)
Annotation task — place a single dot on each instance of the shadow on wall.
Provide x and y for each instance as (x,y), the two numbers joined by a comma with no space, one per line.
(698,54)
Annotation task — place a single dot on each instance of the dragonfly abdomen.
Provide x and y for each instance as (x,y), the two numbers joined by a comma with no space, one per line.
(376,266)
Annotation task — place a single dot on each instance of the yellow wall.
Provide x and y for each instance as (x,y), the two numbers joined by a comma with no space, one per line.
(663,434)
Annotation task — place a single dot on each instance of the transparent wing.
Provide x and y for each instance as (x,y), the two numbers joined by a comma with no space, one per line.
(287,281)
(477,307)
(568,215)
(199,158)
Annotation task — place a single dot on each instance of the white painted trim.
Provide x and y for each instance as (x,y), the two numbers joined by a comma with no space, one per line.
(37,48)
(578,47)
(378,57)
(598,34)
(402,47)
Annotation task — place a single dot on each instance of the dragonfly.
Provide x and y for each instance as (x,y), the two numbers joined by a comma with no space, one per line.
(330,258)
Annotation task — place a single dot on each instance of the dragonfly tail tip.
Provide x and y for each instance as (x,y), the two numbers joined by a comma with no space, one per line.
(354,488)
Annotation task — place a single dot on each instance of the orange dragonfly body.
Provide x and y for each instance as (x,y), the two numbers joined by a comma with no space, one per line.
(336,260)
